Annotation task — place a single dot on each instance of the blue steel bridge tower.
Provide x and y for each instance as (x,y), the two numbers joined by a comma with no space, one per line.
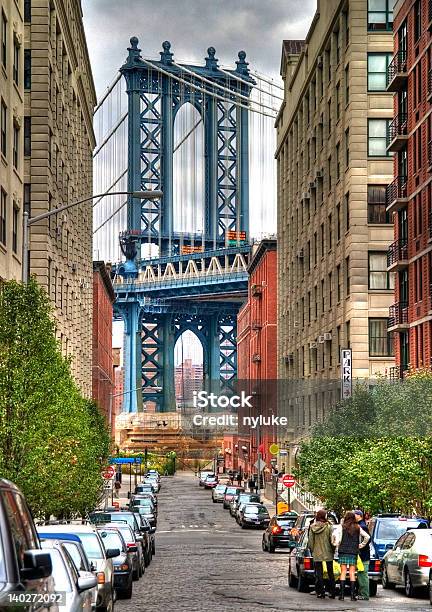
(188,280)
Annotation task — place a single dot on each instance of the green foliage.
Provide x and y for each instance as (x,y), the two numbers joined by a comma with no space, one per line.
(374,450)
(53,442)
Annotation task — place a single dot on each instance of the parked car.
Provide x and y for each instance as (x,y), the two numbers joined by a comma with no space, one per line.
(211,482)
(203,475)
(96,554)
(243,498)
(301,573)
(143,488)
(154,482)
(385,529)
(138,500)
(112,537)
(148,493)
(278,533)
(24,567)
(149,530)
(73,545)
(218,493)
(408,563)
(304,519)
(230,493)
(147,513)
(254,515)
(75,585)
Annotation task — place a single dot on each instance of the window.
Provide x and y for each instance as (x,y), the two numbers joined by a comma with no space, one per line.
(380,15)
(15,151)
(338,223)
(15,213)
(417,20)
(3,129)
(27,197)
(377,137)
(377,204)
(338,168)
(27,11)
(347,88)
(3,39)
(348,334)
(322,240)
(377,71)
(330,232)
(16,62)
(330,288)
(315,248)
(338,101)
(329,117)
(347,212)
(322,296)
(27,69)
(379,278)
(347,276)
(380,340)
(338,274)
(347,148)
(27,135)
(329,172)
(3,215)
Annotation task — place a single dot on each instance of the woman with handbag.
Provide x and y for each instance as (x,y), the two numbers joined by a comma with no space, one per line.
(322,549)
(350,539)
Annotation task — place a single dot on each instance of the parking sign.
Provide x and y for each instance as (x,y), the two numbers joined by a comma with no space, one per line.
(346,373)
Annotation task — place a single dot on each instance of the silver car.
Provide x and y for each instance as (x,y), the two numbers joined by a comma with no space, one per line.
(96,554)
(409,561)
(218,493)
(74,584)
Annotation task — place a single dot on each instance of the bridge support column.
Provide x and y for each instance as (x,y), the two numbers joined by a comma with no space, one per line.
(213,351)
(169,402)
(132,399)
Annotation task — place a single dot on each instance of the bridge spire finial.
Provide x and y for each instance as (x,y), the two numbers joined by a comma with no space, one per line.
(211,60)
(166,55)
(242,64)
(134,51)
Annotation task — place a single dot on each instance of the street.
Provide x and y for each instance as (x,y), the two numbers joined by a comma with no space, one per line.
(205,563)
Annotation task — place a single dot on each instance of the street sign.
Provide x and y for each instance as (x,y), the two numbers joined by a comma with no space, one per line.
(346,373)
(109,472)
(261,465)
(288,480)
(282,507)
(274,449)
(123,460)
(283,451)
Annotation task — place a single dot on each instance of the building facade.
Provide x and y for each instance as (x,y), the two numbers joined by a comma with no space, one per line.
(11,137)
(333,229)
(188,378)
(409,197)
(58,143)
(103,376)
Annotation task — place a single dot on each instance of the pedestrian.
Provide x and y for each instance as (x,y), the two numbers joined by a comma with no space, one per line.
(251,484)
(239,479)
(322,549)
(350,539)
(117,487)
(364,554)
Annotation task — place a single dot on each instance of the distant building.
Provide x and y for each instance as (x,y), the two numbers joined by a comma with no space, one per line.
(103,382)
(409,197)
(188,378)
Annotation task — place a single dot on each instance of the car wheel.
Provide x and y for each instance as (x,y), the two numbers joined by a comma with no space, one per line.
(302,584)
(127,593)
(384,580)
(214,501)
(409,589)
(271,548)
(430,588)
(373,586)
(263,545)
(136,575)
(292,580)
(153,548)
(242,525)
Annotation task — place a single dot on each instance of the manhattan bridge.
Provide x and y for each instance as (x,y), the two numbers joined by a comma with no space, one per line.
(203,136)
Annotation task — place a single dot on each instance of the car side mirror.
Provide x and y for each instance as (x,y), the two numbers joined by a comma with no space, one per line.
(112,552)
(86,582)
(145,528)
(132,548)
(36,564)
(389,547)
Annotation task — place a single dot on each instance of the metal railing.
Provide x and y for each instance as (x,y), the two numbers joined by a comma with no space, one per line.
(397,65)
(397,251)
(397,189)
(306,499)
(398,314)
(398,127)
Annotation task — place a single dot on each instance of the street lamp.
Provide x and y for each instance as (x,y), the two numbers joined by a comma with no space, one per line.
(28,221)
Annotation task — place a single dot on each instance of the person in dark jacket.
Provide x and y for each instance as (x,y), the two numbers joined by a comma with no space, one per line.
(350,539)
(322,549)
(364,553)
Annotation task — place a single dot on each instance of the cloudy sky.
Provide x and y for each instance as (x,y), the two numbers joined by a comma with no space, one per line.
(257,26)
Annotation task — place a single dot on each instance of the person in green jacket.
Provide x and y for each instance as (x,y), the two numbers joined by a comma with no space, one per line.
(322,549)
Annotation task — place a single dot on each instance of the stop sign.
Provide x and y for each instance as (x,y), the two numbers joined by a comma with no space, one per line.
(109,472)
(288,480)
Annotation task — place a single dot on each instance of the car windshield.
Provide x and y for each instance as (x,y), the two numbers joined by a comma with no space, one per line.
(392,530)
(286,522)
(255,510)
(111,539)
(91,545)
(142,501)
(59,572)
(231,491)
(221,488)
(247,497)
(123,517)
(146,510)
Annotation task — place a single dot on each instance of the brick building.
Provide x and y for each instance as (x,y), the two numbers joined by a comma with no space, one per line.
(257,357)
(409,197)
(103,381)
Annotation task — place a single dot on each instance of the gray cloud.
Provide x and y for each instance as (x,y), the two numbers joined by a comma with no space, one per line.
(257,26)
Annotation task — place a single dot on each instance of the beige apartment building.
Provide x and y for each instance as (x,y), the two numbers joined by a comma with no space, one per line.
(11,137)
(59,139)
(333,230)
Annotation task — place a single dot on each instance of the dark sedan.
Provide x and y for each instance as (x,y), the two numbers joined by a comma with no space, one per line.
(147,513)
(254,515)
(278,533)
(123,563)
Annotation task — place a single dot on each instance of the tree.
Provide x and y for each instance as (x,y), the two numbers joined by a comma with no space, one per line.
(53,442)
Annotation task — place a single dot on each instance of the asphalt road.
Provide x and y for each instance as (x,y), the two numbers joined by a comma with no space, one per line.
(205,563)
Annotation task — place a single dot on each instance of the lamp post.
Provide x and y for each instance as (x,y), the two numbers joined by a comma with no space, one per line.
(28,221)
